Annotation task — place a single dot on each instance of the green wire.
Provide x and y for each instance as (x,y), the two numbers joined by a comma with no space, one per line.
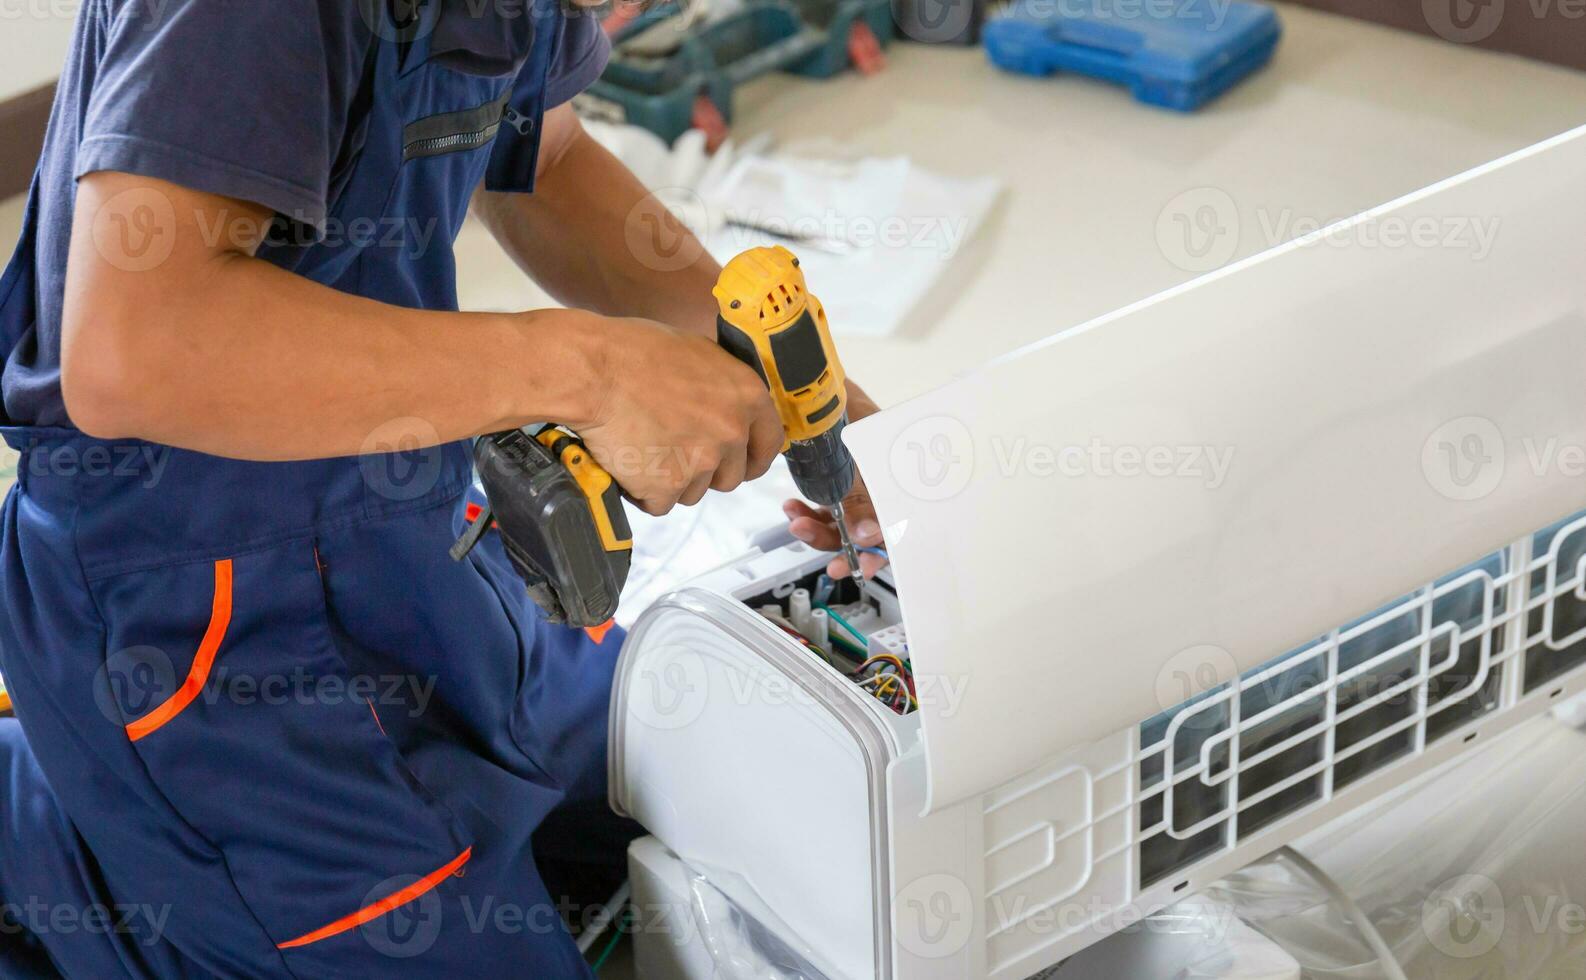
(611,944)
(845,624)
(849,647)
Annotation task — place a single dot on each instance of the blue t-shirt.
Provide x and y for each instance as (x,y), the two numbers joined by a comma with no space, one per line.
(364,124)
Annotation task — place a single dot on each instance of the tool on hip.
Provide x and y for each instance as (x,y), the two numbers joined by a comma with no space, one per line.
(561,521)
(770,322)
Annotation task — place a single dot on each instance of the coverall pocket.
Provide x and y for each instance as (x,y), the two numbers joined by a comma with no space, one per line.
(225,678)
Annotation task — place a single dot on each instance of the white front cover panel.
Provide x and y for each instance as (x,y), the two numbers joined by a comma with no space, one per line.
(1097,527)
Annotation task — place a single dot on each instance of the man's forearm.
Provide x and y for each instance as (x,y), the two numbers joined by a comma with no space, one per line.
(229,355)
(594,238)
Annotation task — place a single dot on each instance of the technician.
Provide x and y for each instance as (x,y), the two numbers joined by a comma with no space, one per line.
(273,717)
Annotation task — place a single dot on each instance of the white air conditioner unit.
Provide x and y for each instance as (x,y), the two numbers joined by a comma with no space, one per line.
(1177,586)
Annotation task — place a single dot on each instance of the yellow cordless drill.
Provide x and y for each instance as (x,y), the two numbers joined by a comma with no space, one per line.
(770,322)
(560,514)
(561,521)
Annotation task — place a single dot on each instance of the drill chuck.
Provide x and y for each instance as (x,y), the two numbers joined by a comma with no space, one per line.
(822,467)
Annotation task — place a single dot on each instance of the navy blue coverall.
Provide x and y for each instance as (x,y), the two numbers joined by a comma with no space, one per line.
(271,728)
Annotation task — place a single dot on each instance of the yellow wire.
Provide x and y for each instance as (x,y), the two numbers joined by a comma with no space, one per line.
(884,658)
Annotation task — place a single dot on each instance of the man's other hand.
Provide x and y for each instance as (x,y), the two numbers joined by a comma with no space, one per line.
(817,528)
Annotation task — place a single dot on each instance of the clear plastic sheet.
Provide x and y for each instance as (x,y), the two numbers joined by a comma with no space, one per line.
(1196,939)
(1479,873)
(744,944)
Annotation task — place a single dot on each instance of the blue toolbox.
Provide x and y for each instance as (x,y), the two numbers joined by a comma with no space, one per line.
(1179,54)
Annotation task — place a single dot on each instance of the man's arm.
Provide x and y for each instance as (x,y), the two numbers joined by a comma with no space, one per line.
(214,350)
(596,239)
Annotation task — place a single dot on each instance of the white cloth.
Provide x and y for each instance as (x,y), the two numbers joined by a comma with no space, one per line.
(898,225)
(690,541)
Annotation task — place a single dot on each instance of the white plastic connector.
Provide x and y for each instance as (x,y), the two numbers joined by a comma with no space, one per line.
(891,640)
(799,610)
(861,616)
(819,632)
(773,612)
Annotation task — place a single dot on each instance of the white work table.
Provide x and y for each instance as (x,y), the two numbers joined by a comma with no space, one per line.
(1348,116)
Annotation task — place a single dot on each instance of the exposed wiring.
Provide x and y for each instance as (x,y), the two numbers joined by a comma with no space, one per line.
(611,946)
(1367,929)
(837,618)
(903,669)
(893,682)
(886,658)
(890,679)
(603,918)
(890,692)
(848,647)
(792,631)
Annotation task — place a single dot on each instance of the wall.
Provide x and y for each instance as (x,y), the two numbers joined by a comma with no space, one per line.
(34,35)
(34,38)
(1549,30)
